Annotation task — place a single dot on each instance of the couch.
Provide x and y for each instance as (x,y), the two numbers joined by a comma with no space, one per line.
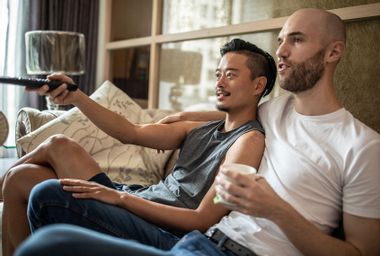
(128,164)
(122,162)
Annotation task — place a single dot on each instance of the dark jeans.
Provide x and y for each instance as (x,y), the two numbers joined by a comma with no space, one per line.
(65,240)
(49,204)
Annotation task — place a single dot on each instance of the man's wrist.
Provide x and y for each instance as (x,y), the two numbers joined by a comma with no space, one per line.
(123,197)
(80,100)
(281,213)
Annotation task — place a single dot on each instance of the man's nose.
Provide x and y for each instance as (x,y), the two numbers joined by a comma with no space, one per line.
(220,80)
(282,50)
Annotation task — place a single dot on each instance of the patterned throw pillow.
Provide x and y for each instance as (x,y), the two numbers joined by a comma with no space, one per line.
(123,163)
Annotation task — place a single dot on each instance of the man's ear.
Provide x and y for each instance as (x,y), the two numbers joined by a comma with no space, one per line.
(260,85)
(335,51)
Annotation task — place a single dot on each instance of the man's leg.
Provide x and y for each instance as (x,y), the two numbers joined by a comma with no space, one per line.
(16,191)
(49,204)
(63,240)
(63,155)
(58,156)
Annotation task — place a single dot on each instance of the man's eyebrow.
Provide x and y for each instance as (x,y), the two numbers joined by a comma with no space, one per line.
(296,33)
(292,34)
(227,69)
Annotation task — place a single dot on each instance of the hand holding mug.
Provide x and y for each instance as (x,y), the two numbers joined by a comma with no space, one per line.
(237,171)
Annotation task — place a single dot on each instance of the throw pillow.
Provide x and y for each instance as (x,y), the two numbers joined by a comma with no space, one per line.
(29,119)
(123,163)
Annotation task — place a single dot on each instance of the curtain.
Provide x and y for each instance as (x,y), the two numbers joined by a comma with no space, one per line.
(70,15)
(12,61)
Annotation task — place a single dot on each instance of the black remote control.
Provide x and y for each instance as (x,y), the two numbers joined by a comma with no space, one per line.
(36,82)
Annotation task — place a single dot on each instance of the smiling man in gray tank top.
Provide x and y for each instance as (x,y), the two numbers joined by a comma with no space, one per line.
(243,75)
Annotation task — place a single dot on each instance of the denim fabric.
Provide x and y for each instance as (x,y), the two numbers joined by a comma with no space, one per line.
(103,179)
(49,204)
(197,244)
(66,240)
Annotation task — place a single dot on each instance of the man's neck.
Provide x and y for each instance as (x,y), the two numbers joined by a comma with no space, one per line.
(319,100)
(235,119)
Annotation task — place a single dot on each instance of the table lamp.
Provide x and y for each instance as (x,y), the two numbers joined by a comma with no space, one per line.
(49,51)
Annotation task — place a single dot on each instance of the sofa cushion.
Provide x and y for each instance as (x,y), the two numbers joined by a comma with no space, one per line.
(29,119)
(122,162)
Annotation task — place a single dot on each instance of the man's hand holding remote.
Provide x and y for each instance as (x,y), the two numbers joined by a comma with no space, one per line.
(60,95)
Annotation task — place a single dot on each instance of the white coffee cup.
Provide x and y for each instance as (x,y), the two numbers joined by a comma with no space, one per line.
(234,167)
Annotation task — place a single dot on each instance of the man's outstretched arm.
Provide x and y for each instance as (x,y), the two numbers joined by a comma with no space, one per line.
(157,136)
(201,116)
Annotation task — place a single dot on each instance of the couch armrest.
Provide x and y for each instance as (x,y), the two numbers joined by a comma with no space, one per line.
(29,119)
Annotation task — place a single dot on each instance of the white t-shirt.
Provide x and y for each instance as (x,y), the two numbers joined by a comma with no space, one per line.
(321,165)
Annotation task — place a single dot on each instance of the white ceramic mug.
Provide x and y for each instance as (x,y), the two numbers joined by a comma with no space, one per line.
(234,167)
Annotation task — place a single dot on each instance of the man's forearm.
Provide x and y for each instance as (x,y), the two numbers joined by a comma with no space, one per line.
(308,238)
(171,217)
(108,121)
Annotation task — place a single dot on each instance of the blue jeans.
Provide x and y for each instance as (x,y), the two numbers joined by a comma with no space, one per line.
(49,204)
(65,240)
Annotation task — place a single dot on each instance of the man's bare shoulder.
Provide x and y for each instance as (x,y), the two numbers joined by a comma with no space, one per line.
(253,136)
(251,141)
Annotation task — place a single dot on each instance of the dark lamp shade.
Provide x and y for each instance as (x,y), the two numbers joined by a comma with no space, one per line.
(54,51)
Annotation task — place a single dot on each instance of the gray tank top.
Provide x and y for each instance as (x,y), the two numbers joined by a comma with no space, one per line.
(200,156)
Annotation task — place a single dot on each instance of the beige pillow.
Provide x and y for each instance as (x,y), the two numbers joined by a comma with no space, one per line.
(29,119)
(122,162)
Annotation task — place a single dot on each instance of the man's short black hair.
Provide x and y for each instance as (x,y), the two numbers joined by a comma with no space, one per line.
(259,61)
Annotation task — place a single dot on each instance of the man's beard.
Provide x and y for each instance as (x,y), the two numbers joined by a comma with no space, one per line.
(304,75)
(222,108)
(219,106)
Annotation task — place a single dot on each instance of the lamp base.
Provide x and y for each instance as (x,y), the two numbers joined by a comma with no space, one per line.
(51,105)
(174,97)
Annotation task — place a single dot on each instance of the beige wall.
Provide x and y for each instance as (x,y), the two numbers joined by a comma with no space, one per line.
(358,75)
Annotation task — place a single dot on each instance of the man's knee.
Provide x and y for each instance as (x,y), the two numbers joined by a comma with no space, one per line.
(48,190)
(14,181)
(9,180)
(44,195)
(55,238)
(60,145)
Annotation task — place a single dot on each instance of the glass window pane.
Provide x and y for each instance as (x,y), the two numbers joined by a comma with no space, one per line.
(131,19)
(130,72)
(185,15)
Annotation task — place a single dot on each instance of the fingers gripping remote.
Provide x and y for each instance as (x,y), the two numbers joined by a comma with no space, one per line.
(37,82)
